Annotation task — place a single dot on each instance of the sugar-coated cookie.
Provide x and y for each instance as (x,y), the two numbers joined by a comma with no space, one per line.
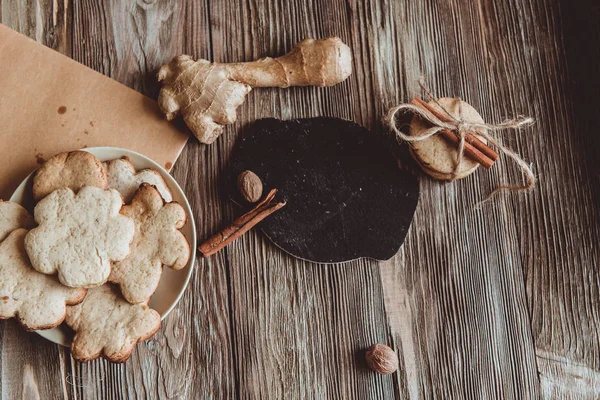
(72,170)
(157,242)
(435,155)
(107,325)
(13,216)
(38,301)
(79,235)
(123,177)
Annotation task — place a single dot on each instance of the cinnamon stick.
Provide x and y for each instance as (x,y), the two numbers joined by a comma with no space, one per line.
(470,150)
(241,225)
(469,138)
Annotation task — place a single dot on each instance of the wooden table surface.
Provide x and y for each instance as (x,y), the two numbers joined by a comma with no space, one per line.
(498,302)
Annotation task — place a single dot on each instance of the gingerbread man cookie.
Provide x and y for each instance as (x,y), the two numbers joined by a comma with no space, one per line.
(157,242)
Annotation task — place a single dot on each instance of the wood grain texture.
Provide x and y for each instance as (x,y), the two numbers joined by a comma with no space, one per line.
(561,242)
(459,286)
(24,368)
(300,329)
(190,356)
(135,38)
(498,302)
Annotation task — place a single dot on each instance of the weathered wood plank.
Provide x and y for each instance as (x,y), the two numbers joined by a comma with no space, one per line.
(460,294)
(300,329)
(561,283)
(46,21)
(191,356)
(460,302)
(562,235)
(562,378)
(24,370)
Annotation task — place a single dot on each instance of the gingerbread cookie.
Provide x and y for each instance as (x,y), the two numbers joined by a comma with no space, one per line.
(79,235)
(157,242)
(13,216)
(123,177)
(435,155)
(105,324)
(72,170)
(38,301)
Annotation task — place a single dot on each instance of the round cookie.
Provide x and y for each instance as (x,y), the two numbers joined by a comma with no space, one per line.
(72,170)
(38,301)
(436,156)
(106,325)
(123,177)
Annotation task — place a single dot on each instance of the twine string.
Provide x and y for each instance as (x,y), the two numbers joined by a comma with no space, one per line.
(461,127)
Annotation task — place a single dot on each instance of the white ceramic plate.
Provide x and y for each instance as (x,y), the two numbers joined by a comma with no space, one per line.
(172,283)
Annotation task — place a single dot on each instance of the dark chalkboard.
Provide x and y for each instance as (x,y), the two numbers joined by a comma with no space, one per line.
(346,195)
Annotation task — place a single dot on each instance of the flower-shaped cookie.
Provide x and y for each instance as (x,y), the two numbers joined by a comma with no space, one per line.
(72,170)
(13,216)
(79,235)
(38,301)
(105,324)
(123,177)
(157,242)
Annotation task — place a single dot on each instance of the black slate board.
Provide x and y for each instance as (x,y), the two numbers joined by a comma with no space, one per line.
(346,195)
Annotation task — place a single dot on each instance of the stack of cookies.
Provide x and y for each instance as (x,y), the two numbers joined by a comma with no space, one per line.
(92,254)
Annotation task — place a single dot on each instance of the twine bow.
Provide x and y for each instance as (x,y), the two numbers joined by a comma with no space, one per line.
(461,127)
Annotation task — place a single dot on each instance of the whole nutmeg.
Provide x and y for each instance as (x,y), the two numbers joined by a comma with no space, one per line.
(382,359)
(250,186)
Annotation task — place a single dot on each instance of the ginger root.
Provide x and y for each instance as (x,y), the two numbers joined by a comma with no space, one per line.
(207,94)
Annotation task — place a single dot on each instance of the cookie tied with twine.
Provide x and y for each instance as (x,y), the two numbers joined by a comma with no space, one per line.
(449,139)
(437,156)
